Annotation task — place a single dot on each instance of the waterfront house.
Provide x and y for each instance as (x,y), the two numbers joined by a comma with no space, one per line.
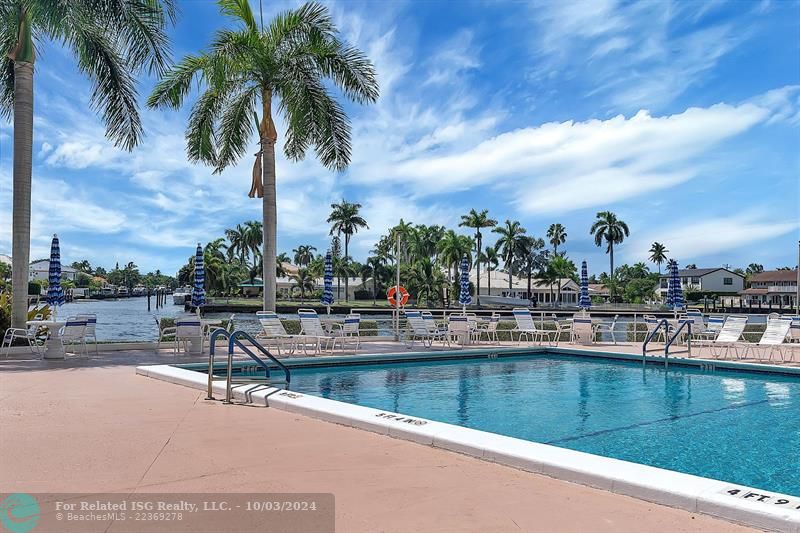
(773,287)
(720,281)
(40,270)
(541,291)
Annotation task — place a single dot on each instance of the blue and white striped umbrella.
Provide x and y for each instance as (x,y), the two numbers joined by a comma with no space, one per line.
(327,292)
(199,291)
(585,302)
(55,292)
(674,291)
(464,297)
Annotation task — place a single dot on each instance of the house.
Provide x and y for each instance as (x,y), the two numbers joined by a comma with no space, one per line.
(775,287)
(288,288)
(541,291)
(40,270)
(598,290)
(710,280)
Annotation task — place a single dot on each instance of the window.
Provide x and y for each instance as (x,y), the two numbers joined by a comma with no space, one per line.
(695,281)
(727,281)
(663,283)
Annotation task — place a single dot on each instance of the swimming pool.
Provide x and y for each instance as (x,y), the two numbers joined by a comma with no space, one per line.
(733,426)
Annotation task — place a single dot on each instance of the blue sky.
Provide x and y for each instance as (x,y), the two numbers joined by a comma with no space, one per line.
(682,117)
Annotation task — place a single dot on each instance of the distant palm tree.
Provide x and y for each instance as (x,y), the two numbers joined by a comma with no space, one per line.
(611,230)
(304,254)
(237,247)
(556,234)
(451,248)
(561,268)
(532,256)
(658,254)
(372,268)
(476,220)
(111,61)
(294,61)
(509,244)
(492,261)
(303,279)
(346,220)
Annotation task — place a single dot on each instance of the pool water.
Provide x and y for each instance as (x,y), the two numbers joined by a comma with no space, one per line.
(732,426)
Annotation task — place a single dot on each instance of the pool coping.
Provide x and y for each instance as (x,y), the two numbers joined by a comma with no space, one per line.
(730,501)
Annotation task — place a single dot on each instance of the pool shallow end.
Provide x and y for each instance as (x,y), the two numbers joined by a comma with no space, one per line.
(693,493)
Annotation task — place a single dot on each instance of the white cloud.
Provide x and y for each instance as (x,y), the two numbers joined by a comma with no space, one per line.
(456,55)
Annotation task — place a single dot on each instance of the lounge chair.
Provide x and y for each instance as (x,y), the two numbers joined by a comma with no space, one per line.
(729,336)
(30,334)
(91,325)
(774,337)
(458,330)
(794,329)
(582,330)
(602,327)
(709,331)
(489,329)
(187,331)
(73,332)
(311,328)
(164,334)
(527,328)
(349,330)
(422,326)
(273,332)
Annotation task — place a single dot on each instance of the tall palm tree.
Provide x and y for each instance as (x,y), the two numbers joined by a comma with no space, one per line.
(451,248)
(658,254)
(372,268)
(492,260)
(556,234)
(292,62)
(346,220)
(303,279)
(611,230)
(561,268)
(532,256)
(509,244)
(237,247)
(111,62)
(304,254)
(476,220)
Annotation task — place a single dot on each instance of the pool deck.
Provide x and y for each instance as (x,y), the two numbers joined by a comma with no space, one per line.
(92,425)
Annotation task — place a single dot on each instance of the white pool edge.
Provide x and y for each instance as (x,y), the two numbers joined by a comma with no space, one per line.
(748,506)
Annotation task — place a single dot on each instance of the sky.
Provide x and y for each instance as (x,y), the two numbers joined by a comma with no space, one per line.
(683,118)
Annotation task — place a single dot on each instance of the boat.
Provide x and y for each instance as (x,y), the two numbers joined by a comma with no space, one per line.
(139,290)
(122,291)
(181,294)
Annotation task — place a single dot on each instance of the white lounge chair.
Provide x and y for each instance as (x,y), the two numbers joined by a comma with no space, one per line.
(710,330)
(30,334)
(73,332)
(91,325)
(602,327)
(729,336)
(489,329)
(774,337)
(187,331)
(164,334)
(311,328)
(527,328)
(582,330)
(349,330)
(274,333)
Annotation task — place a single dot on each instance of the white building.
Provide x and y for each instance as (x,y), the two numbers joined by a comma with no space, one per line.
(541,291)
(287,287)
(776,287)
(40,270)
(717,280)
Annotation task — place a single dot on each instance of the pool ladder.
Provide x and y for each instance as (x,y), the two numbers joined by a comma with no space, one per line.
(669,340)
(234,341)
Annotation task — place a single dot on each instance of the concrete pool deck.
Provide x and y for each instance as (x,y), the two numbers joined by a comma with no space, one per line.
(92,425)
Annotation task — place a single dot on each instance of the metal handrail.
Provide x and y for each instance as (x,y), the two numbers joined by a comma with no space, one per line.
(649,337)
(234,341)
(688,325)
(212,340)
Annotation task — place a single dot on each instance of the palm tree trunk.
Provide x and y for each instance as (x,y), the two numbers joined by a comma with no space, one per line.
(489,279)
(346,280)
(269,206)
(21,221)
(611,257)
(374,288)
(508,266)
(478,265)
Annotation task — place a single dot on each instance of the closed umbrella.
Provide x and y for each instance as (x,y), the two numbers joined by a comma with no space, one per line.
(55,292)
(327,292)
(464,297)
(674,291)
(199,291)
(585,302)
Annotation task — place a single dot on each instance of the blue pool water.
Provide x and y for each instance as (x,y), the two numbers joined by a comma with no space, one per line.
(732,426)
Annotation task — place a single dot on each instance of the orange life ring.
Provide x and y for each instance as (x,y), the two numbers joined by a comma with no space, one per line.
(390,296)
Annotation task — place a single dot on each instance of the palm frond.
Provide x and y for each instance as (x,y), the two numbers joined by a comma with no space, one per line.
(240,9)
(6,88)
(176,83)
(201,138)
(236,128)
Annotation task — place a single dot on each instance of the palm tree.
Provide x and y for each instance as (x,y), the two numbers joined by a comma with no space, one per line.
(111,62)
(426,281)
(492,260)
(610,229)
(293,61)
(532,257)
(345,219)
(556,234)
(509,244)
(372,268)
(658,254)
(304,254)
(476,220)
(451,248)
(303,279)
(237,247)
(560,267)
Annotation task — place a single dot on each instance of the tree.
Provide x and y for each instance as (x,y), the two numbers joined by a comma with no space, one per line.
(111,61)
(754,268)
(304,254)
(476,220)
(372,269)
(451,248)
(426,282)
(303,279)
(346,220)
(691,266)
(611,230)
(82,266)
(509,244)
(556,234)
(532,256)
(293,61)
(559,268)
(492,261)
(658,254)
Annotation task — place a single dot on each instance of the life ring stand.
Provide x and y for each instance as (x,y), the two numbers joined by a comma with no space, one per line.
(391,296)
